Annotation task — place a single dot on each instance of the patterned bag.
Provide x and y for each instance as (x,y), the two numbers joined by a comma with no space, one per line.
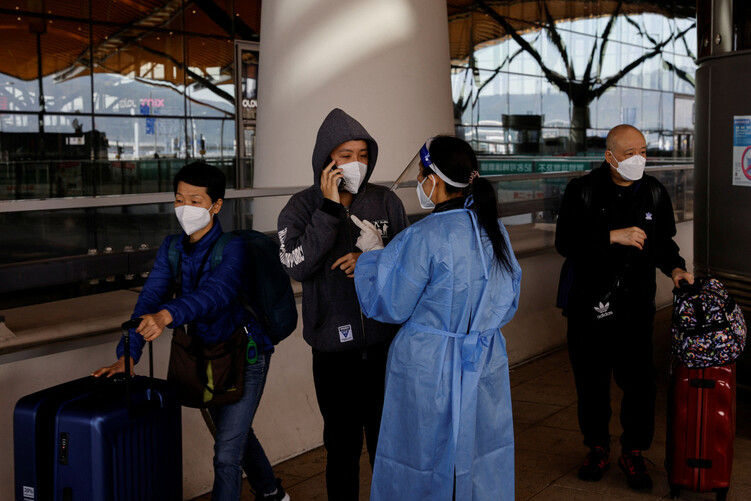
(708,326)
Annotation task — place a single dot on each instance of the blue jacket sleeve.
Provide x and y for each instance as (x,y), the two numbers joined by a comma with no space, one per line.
(389,282)
(157,289)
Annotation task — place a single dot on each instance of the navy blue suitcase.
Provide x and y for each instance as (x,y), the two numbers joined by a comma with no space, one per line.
(99,439)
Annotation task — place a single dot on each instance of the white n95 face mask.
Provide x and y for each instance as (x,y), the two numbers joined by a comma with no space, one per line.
(632,168)
(354,173)
(425,201)
(192,218)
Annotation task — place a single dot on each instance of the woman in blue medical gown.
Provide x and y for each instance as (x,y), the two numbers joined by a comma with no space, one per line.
(452,280)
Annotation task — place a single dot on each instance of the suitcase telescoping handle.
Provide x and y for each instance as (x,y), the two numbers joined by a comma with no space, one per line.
(127,326)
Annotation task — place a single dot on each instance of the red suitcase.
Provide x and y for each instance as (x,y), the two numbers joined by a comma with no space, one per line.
(701,429)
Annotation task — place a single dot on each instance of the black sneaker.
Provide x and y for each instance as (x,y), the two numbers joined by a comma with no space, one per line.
(595,465)
(632,464)
(278,495)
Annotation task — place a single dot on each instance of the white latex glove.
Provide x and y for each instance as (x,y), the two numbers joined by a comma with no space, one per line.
(370,238)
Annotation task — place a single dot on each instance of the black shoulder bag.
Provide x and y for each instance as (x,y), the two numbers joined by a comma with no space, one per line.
(206,375)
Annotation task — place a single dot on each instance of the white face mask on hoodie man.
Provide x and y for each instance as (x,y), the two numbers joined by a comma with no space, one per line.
(354,174)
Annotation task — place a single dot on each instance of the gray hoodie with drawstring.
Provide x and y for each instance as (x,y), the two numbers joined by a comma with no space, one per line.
(314,232)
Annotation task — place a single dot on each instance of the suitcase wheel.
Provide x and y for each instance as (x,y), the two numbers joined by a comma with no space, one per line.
(675,491)
(722,494)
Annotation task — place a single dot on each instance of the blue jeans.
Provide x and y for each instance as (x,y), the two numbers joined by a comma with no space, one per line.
(236,447)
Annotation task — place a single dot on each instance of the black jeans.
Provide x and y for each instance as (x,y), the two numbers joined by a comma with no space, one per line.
(349,389)
(621,348)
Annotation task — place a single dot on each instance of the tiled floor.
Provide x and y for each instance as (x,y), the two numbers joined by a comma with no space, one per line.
(548,442)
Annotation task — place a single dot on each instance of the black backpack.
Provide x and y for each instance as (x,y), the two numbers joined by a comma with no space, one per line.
(269,296)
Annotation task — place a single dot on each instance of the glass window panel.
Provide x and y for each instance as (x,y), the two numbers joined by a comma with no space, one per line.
(584,25)
(631,107)
(140,137)
(17,94)
(685,76)
(667,73)
(141,79)
(210,77)
(493,101)
(609,108)
(19,84)
(629,54)
(525,95)
(684,113)
(615,30)
(67,81)
(13,122)
(521,61)
(655,141)
(49,164)
(611,60)
(627,27)
(665,143)
(580,52)
(667,111)
(551,56)
(651,111)
(656,26)
(555,106)
(462,88)
(652,71)
(596,142)
(492,57)
(555,141)
(688,41)
(491,139)
(214,143)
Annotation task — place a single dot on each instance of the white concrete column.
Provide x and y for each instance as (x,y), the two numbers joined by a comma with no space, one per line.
(385,62)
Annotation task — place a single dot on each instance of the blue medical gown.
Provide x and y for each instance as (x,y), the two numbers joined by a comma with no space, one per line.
(448,403)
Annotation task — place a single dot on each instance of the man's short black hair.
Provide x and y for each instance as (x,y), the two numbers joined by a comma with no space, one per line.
(204,175)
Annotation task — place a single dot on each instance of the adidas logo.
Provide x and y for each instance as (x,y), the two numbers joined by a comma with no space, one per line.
(603,310)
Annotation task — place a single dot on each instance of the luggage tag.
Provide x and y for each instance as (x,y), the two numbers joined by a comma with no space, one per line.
(251,349)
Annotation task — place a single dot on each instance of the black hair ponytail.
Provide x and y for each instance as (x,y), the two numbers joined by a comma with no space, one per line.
(486,207)
(458,161)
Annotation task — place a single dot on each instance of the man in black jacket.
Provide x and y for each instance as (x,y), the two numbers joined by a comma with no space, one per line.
(615,227)
(318,239)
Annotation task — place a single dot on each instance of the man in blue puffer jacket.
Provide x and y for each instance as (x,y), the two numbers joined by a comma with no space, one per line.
(208,302)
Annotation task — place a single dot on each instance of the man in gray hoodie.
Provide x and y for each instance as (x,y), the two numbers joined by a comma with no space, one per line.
(318,236)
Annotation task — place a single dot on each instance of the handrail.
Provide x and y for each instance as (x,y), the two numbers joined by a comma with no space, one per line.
(30,205)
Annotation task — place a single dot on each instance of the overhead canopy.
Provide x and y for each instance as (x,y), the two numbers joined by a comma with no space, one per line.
(472,25)
(136,36)
(126,36)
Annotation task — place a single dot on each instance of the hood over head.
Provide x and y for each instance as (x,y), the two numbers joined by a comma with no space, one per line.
(337,128)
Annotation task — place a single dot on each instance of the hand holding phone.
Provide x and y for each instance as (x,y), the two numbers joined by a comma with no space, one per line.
(329,182)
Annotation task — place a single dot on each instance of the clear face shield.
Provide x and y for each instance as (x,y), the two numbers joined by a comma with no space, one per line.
(408,177)
(405,185)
